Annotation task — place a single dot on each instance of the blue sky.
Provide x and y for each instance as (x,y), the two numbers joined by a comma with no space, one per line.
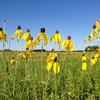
(69,17)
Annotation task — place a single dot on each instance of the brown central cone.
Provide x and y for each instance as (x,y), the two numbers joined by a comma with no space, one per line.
(55,60)
(0,28)
(42,30)
(28,30)
(19,27)
(4,20)
(12,57)
(52,50)
(89,36)
(31,38)
(84,61)
(69,37)
(83,55)
(94,26)
(26,48)
(95,52)
(47,54)
(57,31)
(93,57)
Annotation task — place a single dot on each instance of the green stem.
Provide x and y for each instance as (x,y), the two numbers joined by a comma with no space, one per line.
(41,61)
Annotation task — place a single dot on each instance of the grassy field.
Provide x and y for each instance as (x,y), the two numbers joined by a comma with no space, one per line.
(29,81)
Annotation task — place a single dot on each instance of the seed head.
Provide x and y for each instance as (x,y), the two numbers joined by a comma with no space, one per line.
(0,28)
(93,57)
(19,27)
(57,31)
(94,26)
(52,50)
(83,55)
(12,57)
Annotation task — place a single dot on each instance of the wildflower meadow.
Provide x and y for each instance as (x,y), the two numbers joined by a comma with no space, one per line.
(51,75)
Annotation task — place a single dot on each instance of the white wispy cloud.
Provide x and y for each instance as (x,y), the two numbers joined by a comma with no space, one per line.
(98,40)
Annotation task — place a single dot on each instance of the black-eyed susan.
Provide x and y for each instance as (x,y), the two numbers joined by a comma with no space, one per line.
(41,35)
(83,57)
(27,35)
(13,61)
(18,33)
(3,35)
(56,37)
(52,60)
(30,44)
(84,65)
(68,44)
(93,61)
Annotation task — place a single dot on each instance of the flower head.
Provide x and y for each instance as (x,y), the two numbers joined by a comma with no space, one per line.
(28,30)
(56,37)
(68,44)
(93,61)
(40,36)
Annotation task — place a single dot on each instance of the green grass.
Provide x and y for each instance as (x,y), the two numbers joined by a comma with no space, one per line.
(71,83)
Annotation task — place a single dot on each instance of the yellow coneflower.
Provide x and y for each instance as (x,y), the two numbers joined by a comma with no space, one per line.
(13,61)
(84,65)
(52,59)
(68,44)
(93,61)
(83,57)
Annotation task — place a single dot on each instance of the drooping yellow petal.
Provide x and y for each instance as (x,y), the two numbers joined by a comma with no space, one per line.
(26,36)
(67,42)
(49,65)
(93,61)
(84,42)
(92,35)
(56,67)
(1,36)
(12,61)
(63,43)
(97,25)
(83,58)
(30,44)
(84,66)
(52,37)
(39,37)
(45,39)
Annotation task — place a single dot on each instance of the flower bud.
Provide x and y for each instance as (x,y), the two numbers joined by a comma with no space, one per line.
(69,37)
(42,30)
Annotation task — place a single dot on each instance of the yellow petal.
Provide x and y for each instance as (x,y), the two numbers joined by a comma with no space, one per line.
(49,65)
(84,66)
(83,58)
(52,37)
(45,39)
(63,43)
(56,67)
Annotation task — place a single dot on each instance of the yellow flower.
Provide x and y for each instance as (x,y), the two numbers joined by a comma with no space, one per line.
(88,49)
(98,49)
(93,61)
(27,35)
(52,58)
(26,54)
(84,65)
(68,44)
(3,35)
(30,44)
(18,33)
(84,41)
(12,61)
(89,38)
(83,58)
(40,36)
(56,38)
(96,56)
(92,35)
